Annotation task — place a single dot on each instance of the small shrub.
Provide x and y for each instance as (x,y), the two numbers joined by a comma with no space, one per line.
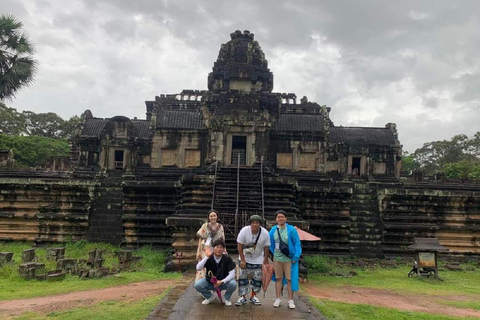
(319,264)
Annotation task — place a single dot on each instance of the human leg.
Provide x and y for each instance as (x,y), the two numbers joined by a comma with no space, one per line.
(243,286)
(229,288)
(204,287)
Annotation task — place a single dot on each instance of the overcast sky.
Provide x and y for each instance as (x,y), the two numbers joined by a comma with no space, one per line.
(414,63)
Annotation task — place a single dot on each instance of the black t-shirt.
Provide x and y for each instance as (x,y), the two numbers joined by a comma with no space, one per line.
(221,270)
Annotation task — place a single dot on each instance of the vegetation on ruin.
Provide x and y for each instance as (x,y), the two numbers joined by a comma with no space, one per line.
(12,286)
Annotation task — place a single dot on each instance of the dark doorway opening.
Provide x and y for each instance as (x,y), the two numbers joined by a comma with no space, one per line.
(239,150)
(356,166)
(119,159)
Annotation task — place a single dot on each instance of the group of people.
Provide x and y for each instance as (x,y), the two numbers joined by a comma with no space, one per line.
(254,243)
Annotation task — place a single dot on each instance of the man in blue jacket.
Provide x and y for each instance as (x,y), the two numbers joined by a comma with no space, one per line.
(286,267)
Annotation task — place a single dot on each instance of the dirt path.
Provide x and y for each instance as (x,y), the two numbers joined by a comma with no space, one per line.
(129,292)
(390,299)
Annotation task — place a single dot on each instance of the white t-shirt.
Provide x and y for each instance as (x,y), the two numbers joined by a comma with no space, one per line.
(246,238)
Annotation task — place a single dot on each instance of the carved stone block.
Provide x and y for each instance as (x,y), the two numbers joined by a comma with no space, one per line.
(55,254)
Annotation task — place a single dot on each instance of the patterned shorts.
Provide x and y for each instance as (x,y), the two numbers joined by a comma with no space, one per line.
(253,270)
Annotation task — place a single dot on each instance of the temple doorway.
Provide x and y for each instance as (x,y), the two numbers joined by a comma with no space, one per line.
(118,159)
(356,166)
(239,150)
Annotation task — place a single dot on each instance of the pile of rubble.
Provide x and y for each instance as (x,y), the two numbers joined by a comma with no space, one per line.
(92,267)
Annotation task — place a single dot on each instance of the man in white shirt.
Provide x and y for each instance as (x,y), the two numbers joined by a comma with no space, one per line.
(221,266)
(253,244)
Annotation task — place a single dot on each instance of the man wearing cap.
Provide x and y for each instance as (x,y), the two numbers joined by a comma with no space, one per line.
(253,243)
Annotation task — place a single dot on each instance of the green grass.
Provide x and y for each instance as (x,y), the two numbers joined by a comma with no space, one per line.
(12,286)
(475,305)
(107,310)
(452,283)
(346,311)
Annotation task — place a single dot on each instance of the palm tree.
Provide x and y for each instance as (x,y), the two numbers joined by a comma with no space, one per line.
(17,66)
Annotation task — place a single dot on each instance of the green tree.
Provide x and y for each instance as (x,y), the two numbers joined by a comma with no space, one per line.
(408,162)
(33,150)
(432,156)
(463,169)
(17,66)
(69,126)
(12,122)
(48,125)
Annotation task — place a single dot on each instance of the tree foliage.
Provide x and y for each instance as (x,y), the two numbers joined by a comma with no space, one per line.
(456,157)
(48,125)
(30,151)
(17,66)
(12,122)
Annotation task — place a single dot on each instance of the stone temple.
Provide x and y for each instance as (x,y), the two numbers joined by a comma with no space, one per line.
(243,149)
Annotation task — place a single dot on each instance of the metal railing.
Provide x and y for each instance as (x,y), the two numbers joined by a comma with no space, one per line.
(214,184)
(238,194)
(263,194)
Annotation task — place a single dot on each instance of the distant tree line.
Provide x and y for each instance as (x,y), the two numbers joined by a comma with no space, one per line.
(457,158)
(34,137)
(28,123)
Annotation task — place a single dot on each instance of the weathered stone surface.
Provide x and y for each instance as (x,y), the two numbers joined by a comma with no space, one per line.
(55,275)
(28,270)
(28,255)
(67,265)
(55,254)
(6,257)
(95,260)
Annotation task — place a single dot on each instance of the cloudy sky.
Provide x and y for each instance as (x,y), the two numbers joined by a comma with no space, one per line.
(414,63)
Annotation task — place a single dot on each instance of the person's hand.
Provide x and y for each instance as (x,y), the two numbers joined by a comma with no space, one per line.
(208,252)
(265,261)
(243,264)
(218,284)
(199,256)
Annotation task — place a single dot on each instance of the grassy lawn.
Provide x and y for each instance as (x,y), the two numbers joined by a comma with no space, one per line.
(347,311)
(12,286)
(108,310)
(452,283)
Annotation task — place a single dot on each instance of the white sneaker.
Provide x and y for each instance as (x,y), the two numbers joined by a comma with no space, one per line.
(277,303)
(208,300)
(255,301)
(241,301)
(291,304)
(228,303)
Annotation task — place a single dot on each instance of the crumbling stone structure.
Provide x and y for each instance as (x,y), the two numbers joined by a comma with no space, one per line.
(241,148)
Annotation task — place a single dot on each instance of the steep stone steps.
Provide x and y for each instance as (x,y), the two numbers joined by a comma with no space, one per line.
(365,237)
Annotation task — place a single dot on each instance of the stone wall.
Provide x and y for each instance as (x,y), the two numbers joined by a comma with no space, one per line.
(44,210)
(353,216)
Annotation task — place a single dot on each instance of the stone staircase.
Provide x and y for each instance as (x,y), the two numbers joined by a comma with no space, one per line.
(225,198)
(365,223)
(105,223)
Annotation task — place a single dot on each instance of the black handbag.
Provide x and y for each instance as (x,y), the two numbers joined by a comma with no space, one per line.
(283,246)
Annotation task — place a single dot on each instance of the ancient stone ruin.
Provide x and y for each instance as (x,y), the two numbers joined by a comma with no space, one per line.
(93,267)
(241,148)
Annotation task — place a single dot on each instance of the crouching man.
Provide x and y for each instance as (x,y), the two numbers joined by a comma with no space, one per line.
(220,266)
